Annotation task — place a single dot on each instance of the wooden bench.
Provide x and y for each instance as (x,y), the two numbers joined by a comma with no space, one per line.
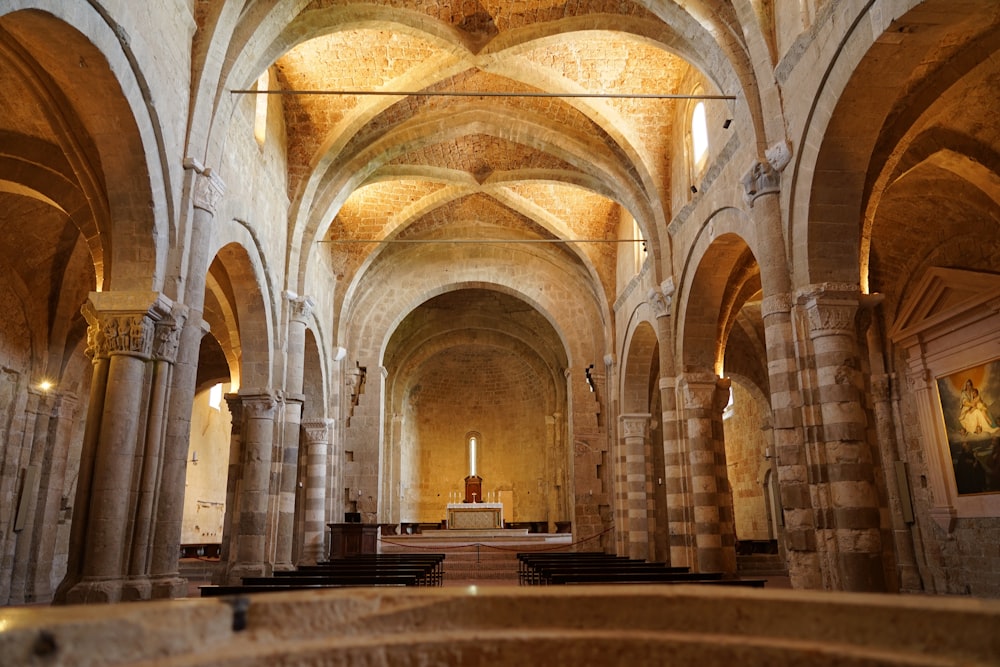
(352,571)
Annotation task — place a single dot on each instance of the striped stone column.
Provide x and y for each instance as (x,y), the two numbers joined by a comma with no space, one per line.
(680,523)
(254,492)
(634,436)
(704,396)
(317,434)
(789,446)
(841,471)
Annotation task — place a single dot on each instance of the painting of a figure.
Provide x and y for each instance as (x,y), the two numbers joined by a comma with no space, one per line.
(970,405)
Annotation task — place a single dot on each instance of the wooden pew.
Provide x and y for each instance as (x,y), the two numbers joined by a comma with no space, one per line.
(534,569)
(356,570)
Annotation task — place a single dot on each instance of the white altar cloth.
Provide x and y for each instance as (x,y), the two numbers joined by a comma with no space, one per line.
(475,516)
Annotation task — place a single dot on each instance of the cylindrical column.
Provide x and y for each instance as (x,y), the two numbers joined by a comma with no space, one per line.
(789,447)
(97,350)
(299,312)
(251,530)
(710,494)
(52,483)
(317,440)
(128,333)
(138,586)
(680,522)
(634,434)
(234,482)
(206,190)
(35,440)
(841,472)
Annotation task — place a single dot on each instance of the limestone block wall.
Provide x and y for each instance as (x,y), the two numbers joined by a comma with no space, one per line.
(207,471)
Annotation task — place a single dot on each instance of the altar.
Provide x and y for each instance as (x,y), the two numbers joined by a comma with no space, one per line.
(475,516)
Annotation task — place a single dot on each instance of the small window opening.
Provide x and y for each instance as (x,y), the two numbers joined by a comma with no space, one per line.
(215,397)
(260,113)
(699,135)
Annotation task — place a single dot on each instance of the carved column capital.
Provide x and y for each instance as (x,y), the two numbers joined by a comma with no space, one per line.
(831,308)
(208,190)
(761,179)
(258,406)
(698,389)
(235,403)
(317,431)
(300,307)
(635,425)
(168,334)
(124,322)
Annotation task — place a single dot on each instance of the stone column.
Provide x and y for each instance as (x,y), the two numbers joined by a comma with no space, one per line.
(35,441)
(634,436)
(206,190)
(762,193)
(138,586)
(126,324)
(317,440)
(555,470)
(234,482)
(254,493)
(300,310)
(680,524)
(704,397)
(906,560)
(791,463)
(841,471)
(52,483)
(97,351)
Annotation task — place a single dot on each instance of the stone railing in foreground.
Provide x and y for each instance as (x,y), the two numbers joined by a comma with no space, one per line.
(600,625)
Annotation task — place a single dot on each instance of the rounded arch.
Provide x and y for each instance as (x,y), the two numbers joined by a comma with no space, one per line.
(237,311)
(640,367)
(846,153)
(102,125)
(726,276)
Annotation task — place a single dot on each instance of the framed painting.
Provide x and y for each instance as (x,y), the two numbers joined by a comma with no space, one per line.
(970,408)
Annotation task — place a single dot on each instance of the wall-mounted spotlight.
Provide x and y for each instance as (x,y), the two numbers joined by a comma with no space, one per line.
(694,189)
(727,123)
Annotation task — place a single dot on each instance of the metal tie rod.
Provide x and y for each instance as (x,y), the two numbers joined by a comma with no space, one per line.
(486,93)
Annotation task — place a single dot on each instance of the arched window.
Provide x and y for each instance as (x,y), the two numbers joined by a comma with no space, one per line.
(260,111)
(473,441)
(639,249)
(699,137)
